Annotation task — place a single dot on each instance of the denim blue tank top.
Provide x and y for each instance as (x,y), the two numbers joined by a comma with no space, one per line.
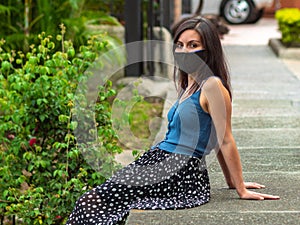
(189,128)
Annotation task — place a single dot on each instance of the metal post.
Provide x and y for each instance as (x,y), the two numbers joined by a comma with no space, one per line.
(150,47)
(166,14)
(134,33)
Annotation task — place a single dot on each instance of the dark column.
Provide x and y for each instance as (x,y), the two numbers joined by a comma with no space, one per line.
(150,47)
(166,14)
(134,33)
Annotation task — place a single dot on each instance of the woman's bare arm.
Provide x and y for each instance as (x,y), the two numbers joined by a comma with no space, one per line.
(248,185)
(218,104)
(224,168)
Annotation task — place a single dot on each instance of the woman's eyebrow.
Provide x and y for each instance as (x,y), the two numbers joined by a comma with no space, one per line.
(189,41)
(195,41)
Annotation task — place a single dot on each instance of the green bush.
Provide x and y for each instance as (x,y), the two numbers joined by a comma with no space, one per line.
(289,25)
(42,169)
(21,20)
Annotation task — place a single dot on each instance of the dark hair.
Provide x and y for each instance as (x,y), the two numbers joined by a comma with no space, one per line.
(210,39)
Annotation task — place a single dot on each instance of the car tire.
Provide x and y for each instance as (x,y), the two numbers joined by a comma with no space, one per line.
(256,16)
(237,11)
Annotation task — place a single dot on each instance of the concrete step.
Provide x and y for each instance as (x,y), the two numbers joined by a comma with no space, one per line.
(266,107)
(263,160)
(267,122)
(283,137)
(278,169)
(187,217)
(226,208)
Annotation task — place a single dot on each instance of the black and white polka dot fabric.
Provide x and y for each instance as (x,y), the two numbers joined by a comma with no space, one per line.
(157,180)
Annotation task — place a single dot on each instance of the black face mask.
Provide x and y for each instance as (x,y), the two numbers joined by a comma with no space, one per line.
(190,62)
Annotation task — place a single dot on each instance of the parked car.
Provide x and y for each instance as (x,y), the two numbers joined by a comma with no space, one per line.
(233,11)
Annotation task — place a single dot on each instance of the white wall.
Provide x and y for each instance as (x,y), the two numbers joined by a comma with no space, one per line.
(209,6)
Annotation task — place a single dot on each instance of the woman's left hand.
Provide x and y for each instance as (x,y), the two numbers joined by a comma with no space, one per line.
(253,185)
(251,195)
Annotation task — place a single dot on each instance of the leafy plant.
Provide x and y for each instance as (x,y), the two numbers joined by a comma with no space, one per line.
(22,20)
(289,25)
(43,170)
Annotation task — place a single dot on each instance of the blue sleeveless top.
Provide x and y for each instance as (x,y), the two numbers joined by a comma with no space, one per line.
(189,128)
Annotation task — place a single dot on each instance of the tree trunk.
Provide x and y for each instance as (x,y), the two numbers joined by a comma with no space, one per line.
(26,24)
(27,17)
(177,10)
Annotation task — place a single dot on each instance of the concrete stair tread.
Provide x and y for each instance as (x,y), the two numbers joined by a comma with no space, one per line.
(226,208)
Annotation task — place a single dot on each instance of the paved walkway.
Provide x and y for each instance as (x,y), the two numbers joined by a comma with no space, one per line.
(266,126)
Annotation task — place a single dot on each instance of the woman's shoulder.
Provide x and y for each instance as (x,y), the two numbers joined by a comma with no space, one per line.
(212,82)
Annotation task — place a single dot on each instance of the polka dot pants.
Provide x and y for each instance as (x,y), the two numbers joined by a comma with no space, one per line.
(157,180)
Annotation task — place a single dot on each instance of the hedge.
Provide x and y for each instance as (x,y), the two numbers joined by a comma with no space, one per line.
(289,25)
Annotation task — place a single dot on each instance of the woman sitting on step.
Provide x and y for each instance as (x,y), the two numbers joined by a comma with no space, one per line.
(173,173)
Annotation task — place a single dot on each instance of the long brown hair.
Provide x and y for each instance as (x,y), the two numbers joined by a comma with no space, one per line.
(215,59)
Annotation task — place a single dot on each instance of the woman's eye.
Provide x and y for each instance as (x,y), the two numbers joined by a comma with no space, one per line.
(193,45)
(179,45)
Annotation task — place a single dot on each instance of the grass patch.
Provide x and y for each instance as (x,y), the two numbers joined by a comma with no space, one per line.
(142,114)
(143,121)
(137,118)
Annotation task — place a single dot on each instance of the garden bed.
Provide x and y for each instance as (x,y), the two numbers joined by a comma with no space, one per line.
(288,46)
(283,51)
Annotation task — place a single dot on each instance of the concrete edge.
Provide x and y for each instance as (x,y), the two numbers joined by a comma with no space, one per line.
(283,52)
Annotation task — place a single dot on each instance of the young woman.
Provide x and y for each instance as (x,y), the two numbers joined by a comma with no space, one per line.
(173,174)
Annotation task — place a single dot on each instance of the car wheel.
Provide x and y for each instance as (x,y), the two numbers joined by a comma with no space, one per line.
(256,16)
(236,11)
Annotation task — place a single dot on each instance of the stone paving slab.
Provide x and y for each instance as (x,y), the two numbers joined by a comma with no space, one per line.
(258,74)
(267,137)
(265,107)
(252,34)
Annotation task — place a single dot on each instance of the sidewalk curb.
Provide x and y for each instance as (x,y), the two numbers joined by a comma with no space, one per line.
(283,52)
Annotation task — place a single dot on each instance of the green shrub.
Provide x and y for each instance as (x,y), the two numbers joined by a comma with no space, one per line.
(289,25)
(21,20)
(42,169)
